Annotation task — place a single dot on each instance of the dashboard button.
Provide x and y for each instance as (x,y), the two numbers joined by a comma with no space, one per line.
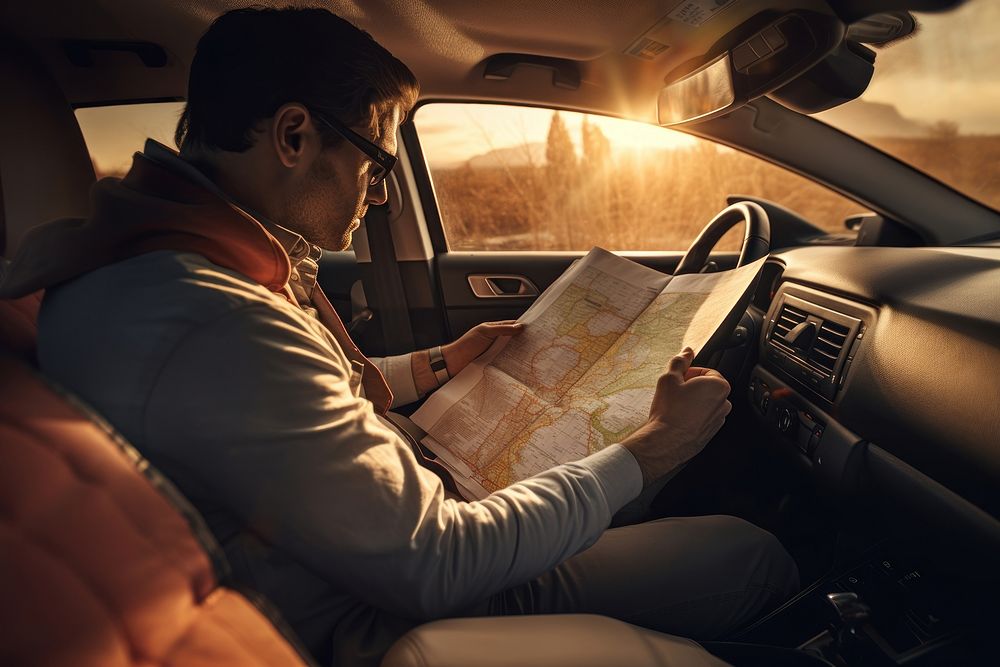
(854,581)
(743,56)
(774,38)
(887,566)
(814,439)
(785,419)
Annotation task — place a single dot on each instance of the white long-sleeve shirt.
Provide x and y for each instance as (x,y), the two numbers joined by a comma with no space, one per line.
(245,401)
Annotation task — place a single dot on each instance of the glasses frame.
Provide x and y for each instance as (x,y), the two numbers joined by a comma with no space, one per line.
(374,152)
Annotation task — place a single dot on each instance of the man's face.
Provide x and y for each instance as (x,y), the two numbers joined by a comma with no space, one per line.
(332,198)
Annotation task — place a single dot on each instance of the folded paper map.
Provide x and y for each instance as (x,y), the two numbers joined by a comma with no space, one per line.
(580,376)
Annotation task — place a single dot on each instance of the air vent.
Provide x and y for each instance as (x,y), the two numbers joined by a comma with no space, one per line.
(830,340)
(788,319)
(812,344)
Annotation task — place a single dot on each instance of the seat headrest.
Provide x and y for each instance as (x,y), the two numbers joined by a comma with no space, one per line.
(45,169)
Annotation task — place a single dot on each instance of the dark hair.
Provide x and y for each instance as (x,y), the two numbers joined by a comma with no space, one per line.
(252,61)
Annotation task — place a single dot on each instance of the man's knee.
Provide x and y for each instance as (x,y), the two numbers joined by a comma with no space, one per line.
(770,570)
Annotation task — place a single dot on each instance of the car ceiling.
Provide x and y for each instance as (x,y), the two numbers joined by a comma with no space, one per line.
(445,42)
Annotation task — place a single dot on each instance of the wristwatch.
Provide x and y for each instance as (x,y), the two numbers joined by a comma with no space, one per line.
(438,365)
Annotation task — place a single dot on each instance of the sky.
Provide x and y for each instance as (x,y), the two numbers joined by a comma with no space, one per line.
(113,134)
(948,71)
(452,133)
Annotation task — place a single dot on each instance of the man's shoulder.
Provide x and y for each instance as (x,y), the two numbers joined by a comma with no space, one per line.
(188,276)
(147,301)
(174,284)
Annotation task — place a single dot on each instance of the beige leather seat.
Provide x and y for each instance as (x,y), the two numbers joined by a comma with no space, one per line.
(543,641)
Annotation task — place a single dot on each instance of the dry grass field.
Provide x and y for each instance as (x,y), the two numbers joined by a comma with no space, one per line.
(970,163)
(653,202)
(661,200)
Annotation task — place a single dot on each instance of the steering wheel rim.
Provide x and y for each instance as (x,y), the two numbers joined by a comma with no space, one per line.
(756,236)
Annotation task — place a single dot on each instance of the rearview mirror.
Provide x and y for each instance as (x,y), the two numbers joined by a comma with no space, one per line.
(703,93)
(769,59)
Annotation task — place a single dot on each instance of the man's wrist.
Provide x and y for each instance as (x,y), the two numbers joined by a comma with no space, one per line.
(644,468)
(649,455)
(438,365)
(619,475)
(423,377)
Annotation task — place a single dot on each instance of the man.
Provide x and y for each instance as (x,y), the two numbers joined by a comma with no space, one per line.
(186,311)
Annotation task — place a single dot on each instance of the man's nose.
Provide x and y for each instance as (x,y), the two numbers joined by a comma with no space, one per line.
(377,194)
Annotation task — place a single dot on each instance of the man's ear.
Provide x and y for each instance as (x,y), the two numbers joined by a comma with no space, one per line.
(293,134)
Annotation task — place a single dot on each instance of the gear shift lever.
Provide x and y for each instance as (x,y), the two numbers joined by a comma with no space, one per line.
(850,614)
(840,643)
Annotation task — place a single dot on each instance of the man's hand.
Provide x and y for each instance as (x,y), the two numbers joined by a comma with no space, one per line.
(459,354)
(689,407)
(474,342)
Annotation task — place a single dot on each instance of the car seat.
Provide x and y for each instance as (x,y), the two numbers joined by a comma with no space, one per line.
(103,562)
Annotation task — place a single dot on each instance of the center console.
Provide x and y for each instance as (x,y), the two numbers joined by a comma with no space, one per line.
(889,607)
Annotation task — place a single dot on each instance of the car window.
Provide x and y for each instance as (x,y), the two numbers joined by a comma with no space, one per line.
(114,133)
(934,100)
(524,178)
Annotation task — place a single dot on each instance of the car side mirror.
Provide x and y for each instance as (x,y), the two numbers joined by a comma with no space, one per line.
(754,67)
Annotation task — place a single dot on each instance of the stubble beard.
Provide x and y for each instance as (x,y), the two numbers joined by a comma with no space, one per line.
(319,220)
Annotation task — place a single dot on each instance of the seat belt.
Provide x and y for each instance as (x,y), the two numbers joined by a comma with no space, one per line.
(387,283)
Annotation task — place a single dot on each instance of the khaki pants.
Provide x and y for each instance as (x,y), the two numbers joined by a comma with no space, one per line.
(699,577)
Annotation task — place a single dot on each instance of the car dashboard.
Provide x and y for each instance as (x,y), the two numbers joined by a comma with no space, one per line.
(877,375)
(899,346)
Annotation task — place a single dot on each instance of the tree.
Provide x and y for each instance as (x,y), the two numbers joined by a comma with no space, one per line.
(944,129)
(560,154)
(560,158)
(596,147)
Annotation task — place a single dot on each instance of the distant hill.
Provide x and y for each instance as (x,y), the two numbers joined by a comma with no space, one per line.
(873,119)
(511,156)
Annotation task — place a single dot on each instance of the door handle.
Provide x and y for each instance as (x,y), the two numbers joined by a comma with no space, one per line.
(501,286)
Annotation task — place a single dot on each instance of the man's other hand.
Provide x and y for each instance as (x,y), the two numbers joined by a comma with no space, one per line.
(475,341)
(689,407)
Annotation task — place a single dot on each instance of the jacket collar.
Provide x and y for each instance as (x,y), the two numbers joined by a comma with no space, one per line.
(152,208)
(294,244)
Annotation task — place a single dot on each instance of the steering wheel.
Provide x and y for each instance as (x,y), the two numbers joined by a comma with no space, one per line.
(739,326)
(756,236)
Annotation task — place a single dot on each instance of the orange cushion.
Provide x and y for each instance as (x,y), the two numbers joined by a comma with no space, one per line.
(98,568)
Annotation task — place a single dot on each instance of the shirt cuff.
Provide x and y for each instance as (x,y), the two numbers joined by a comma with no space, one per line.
(398,372)
(619,474)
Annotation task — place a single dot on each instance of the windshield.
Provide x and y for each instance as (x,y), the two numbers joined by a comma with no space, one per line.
(934,101)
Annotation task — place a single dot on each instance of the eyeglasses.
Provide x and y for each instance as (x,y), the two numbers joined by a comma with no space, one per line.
(382,162)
